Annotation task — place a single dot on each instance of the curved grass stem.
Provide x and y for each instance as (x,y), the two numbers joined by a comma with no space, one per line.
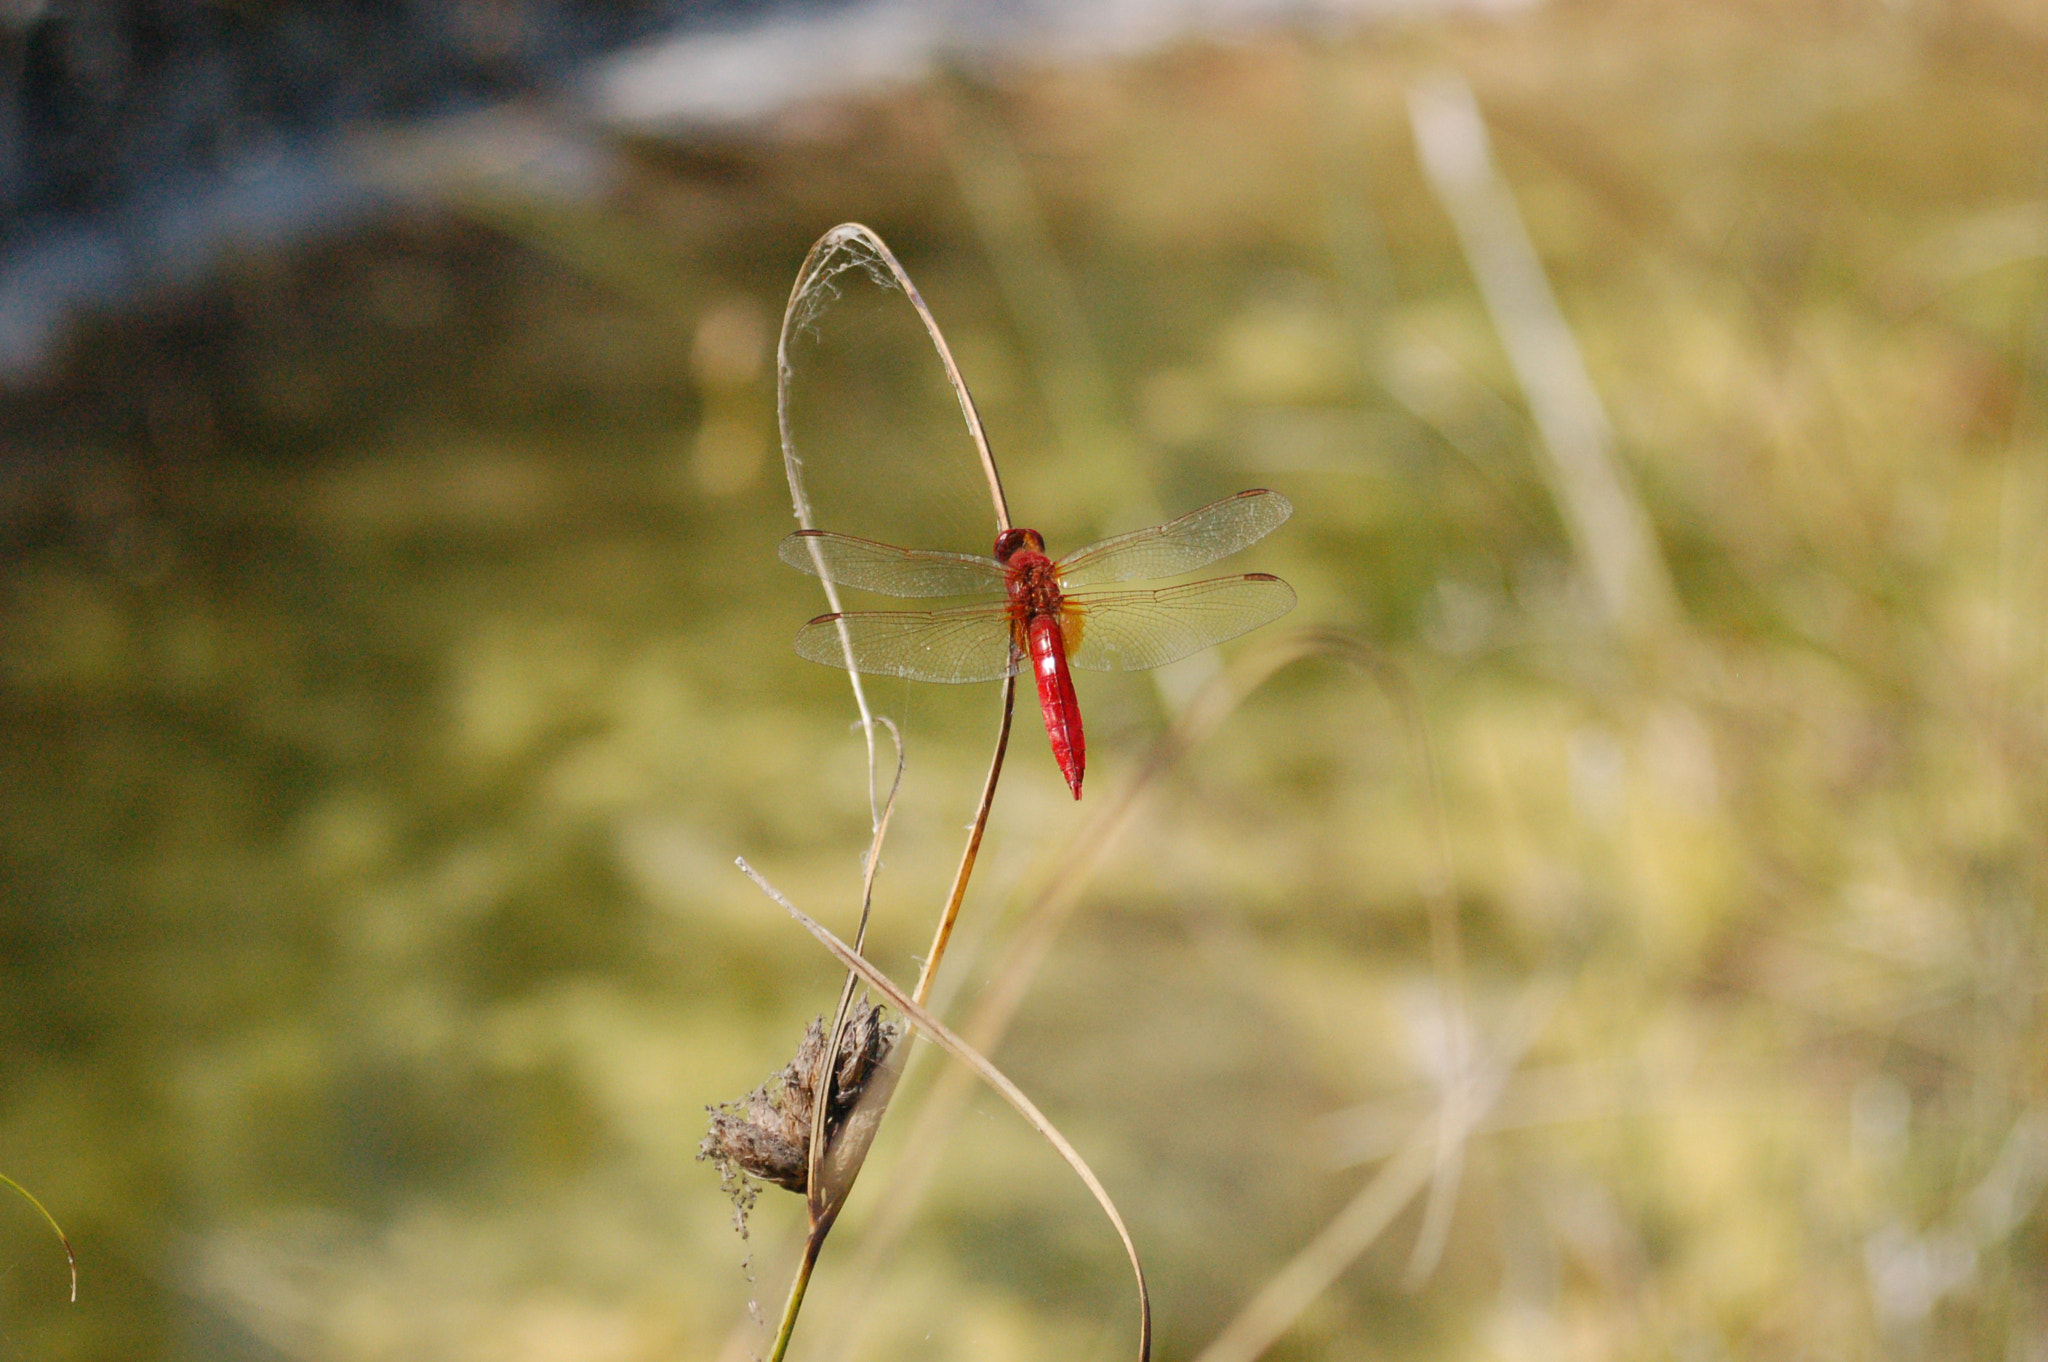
(69,1257)
(791,1308)
(953,1045)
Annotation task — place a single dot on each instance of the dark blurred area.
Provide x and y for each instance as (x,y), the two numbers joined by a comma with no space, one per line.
(138,142)
(134,106)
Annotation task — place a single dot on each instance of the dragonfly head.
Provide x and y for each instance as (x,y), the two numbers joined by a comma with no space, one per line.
(1012,542)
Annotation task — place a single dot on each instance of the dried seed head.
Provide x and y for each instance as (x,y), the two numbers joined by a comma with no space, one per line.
(767,1133)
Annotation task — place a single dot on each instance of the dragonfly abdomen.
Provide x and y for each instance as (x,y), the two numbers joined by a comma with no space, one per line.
(1056,697)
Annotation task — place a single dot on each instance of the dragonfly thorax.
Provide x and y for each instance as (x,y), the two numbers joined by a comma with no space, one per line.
(1033,583)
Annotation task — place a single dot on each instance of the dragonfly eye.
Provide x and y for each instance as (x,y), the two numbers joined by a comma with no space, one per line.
(1012,542)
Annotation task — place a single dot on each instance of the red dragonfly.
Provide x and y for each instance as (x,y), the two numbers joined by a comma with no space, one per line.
(1039,615)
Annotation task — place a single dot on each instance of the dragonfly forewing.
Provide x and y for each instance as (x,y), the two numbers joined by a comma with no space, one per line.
(1194,541)
(1127,631)
(884,568)
(969,644)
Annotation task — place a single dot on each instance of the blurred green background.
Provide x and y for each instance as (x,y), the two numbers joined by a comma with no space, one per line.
(393,659)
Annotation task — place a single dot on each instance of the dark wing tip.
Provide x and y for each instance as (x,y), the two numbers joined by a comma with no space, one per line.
(790,549)
(1280,503)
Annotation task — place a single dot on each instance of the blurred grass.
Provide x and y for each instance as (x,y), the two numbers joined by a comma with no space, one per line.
(394,659)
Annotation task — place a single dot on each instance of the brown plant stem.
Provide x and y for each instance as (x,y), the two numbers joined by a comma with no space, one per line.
(972,850)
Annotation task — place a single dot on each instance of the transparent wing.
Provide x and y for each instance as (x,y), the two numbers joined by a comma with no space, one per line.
(968,644)
(1195,540)
(887,569)
(1128,631)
